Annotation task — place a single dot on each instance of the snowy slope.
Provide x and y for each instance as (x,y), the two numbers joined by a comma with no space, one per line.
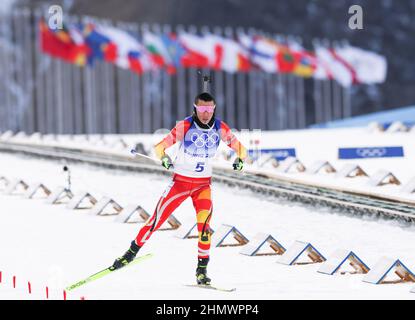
(49,244)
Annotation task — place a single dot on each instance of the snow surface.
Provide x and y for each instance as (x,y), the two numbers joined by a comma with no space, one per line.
(51,245)
(311,145)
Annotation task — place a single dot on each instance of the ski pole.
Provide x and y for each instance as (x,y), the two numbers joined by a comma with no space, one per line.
(134,152)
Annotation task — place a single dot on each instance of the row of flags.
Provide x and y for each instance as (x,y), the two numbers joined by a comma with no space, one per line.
(82,44)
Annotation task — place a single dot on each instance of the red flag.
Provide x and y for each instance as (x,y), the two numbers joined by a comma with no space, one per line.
(286,59)
(199,53)
(244,65)
(59,44)
(135,64)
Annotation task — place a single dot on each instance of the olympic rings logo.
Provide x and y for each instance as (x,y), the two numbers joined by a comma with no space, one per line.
(370,152)
(203,139)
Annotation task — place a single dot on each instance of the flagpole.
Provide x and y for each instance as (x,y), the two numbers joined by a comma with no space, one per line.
(68,97)
(192,86)
(282,96)
(31,75)
(136,101)
(86,76)
(167,84)
(147,111)
(79,105)
(156,90)
(347,109)
(181,84)
(7,71)
(40,126)
(328,114)
(105,104)
(95,85)
(292,103)
(242,90)
(317,91)
(231,105)
(293,92)
(301,94)
(346,91)
(253,112)
(270,103)
(260,91)
(28,115)
(335,92)
(125,106)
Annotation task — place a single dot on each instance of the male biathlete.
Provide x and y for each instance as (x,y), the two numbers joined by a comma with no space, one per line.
(199,136)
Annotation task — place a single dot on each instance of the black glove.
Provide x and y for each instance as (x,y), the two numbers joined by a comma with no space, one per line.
(166,162)
(238,164)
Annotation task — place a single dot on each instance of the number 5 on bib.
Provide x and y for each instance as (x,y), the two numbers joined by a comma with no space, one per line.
(200,167)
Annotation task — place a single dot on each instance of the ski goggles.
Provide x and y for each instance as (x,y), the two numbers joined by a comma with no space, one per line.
(209,109)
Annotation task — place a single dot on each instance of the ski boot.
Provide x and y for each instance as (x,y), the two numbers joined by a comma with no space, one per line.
(201,276)
(128,256)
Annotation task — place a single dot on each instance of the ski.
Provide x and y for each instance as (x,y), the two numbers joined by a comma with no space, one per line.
(204,286)
(105,272)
